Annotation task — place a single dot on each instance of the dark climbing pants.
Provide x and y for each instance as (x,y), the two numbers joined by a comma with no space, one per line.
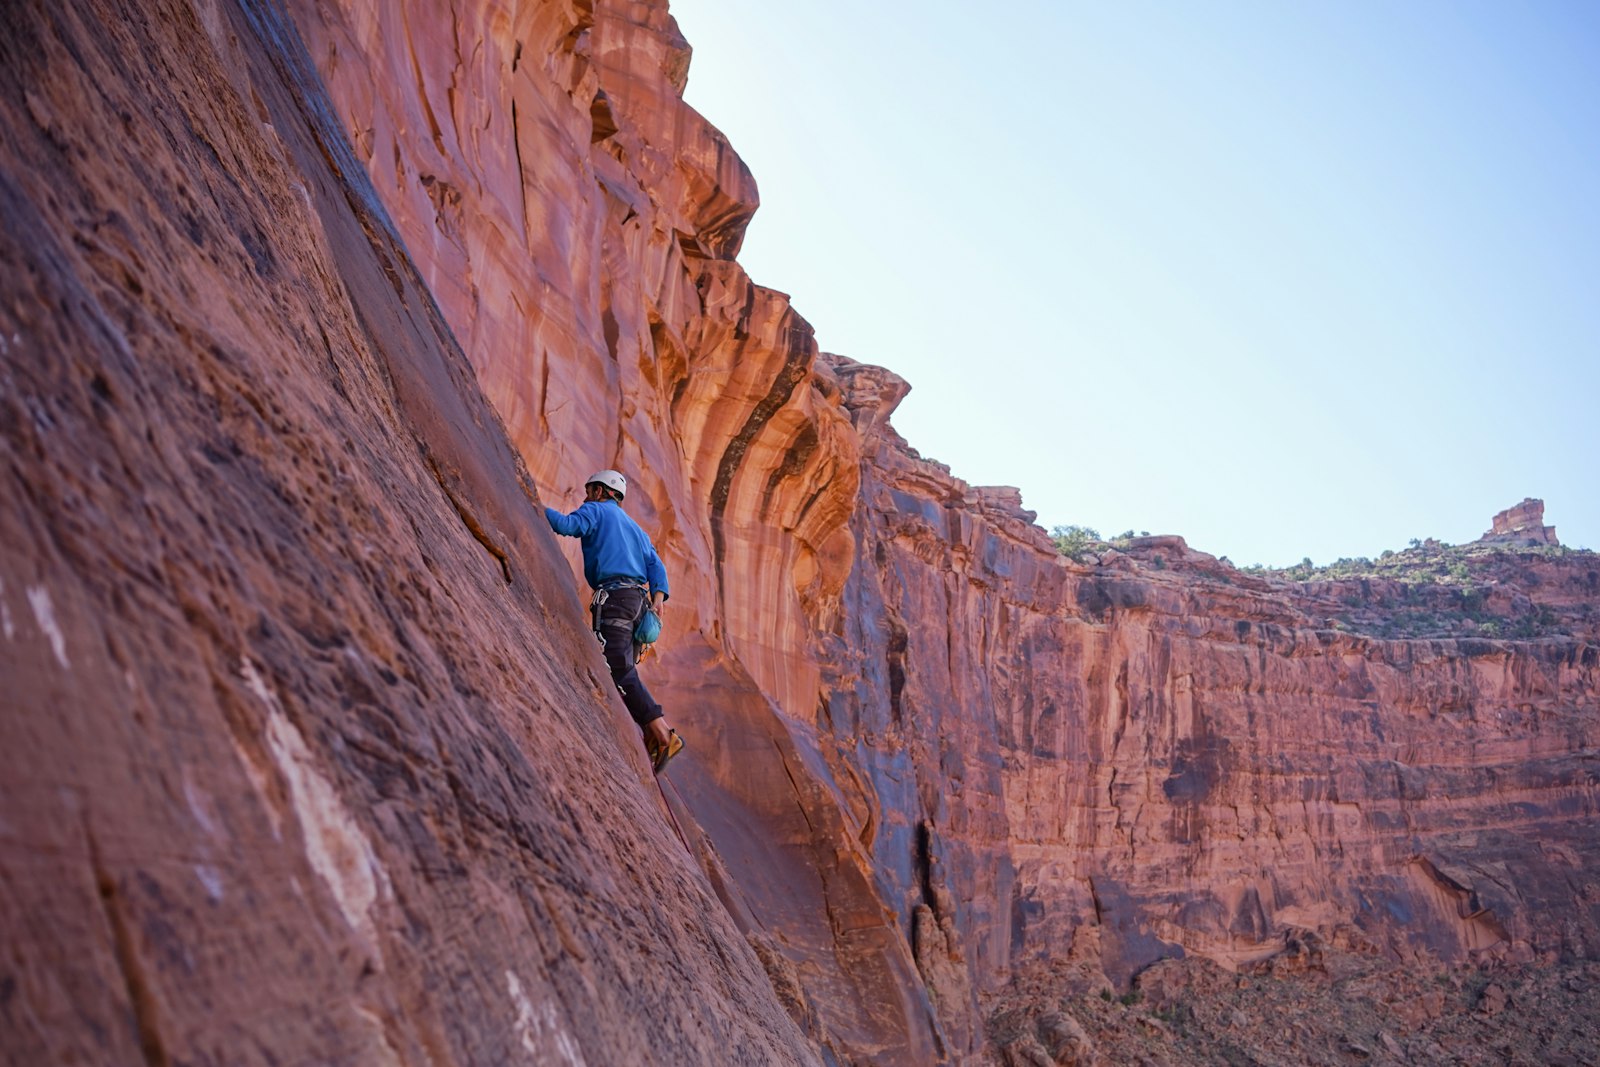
(618,615)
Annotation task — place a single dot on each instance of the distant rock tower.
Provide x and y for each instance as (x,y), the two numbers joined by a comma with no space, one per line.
(1522,524)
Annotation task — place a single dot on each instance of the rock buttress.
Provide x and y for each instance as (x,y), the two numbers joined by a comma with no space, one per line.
(584,256)
(928,751)
(306,756)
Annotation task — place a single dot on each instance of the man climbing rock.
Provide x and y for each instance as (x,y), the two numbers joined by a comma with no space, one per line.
(627,577)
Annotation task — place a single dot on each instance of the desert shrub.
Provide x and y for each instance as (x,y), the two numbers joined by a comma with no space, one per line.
(1076,542)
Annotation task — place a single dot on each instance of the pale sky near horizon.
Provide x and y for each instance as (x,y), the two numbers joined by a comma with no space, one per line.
(1289,280)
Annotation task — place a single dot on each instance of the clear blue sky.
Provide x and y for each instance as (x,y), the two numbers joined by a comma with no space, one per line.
(1288,279)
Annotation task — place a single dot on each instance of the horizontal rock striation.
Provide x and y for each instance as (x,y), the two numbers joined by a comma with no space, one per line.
(1159,754)
(1522,524)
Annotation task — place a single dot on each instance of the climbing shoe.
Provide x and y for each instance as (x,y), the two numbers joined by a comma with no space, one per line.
(660,754)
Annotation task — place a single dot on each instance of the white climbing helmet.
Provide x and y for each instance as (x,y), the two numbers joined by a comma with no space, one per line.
(611,480)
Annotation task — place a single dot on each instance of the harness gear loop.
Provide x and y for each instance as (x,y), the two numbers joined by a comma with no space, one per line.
(602,594)
(595,604)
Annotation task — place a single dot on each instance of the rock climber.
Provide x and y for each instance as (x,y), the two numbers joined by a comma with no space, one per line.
(621,566)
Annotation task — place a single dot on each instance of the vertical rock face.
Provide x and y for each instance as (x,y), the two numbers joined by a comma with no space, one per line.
(314,759)
(1160,755)
(303,758)
(1522,524)
(605,212)
(927,749)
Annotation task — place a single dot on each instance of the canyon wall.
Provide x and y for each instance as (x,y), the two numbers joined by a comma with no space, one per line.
(313,757)
(605,213)
(1155,753)
(999,756)
(305,757)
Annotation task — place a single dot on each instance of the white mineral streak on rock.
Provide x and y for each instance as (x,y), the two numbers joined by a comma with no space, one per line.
(380,1052)
(45,613)
(335,844)
(9,627)
(540,1029)
(211,878)
(200,807)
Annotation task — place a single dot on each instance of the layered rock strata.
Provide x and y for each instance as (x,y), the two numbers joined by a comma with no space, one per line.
(969,753)
(1159,754)
(1522,524)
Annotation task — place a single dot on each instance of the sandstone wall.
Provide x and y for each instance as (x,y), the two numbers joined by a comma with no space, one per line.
(928,750)
(606,213)
(302,757)
(314,759)
(1159,753)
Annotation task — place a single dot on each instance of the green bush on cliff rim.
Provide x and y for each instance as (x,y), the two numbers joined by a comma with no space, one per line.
(1079,542)
(1076,542)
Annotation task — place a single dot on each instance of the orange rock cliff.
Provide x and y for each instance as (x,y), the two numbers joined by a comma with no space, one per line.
(309,757)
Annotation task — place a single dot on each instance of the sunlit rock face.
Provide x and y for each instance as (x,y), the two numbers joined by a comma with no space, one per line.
(583,254)
(1522,524)
(1159,754)
(925,749)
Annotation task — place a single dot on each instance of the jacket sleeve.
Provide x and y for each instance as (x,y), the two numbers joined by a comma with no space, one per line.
(577,524)
(655,572)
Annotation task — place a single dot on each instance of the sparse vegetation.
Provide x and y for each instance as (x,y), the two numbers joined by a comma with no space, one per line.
(1431,589)
(1424,561)
(1428,590)
(1076,542)
(1081,542)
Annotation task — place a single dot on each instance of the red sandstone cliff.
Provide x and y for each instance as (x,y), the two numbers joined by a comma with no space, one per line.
(303,757)
(294,654)
(1005,755)
(1522,524)
(1160,753)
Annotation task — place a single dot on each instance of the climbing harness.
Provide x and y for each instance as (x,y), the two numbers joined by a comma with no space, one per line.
(603,594)
(646,624)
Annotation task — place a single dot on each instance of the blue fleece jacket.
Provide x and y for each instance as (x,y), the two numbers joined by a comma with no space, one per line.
(614,546)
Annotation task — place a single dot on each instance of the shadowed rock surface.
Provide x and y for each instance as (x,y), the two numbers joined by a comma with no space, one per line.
(310,758)
(1315,1005)
(304,759)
